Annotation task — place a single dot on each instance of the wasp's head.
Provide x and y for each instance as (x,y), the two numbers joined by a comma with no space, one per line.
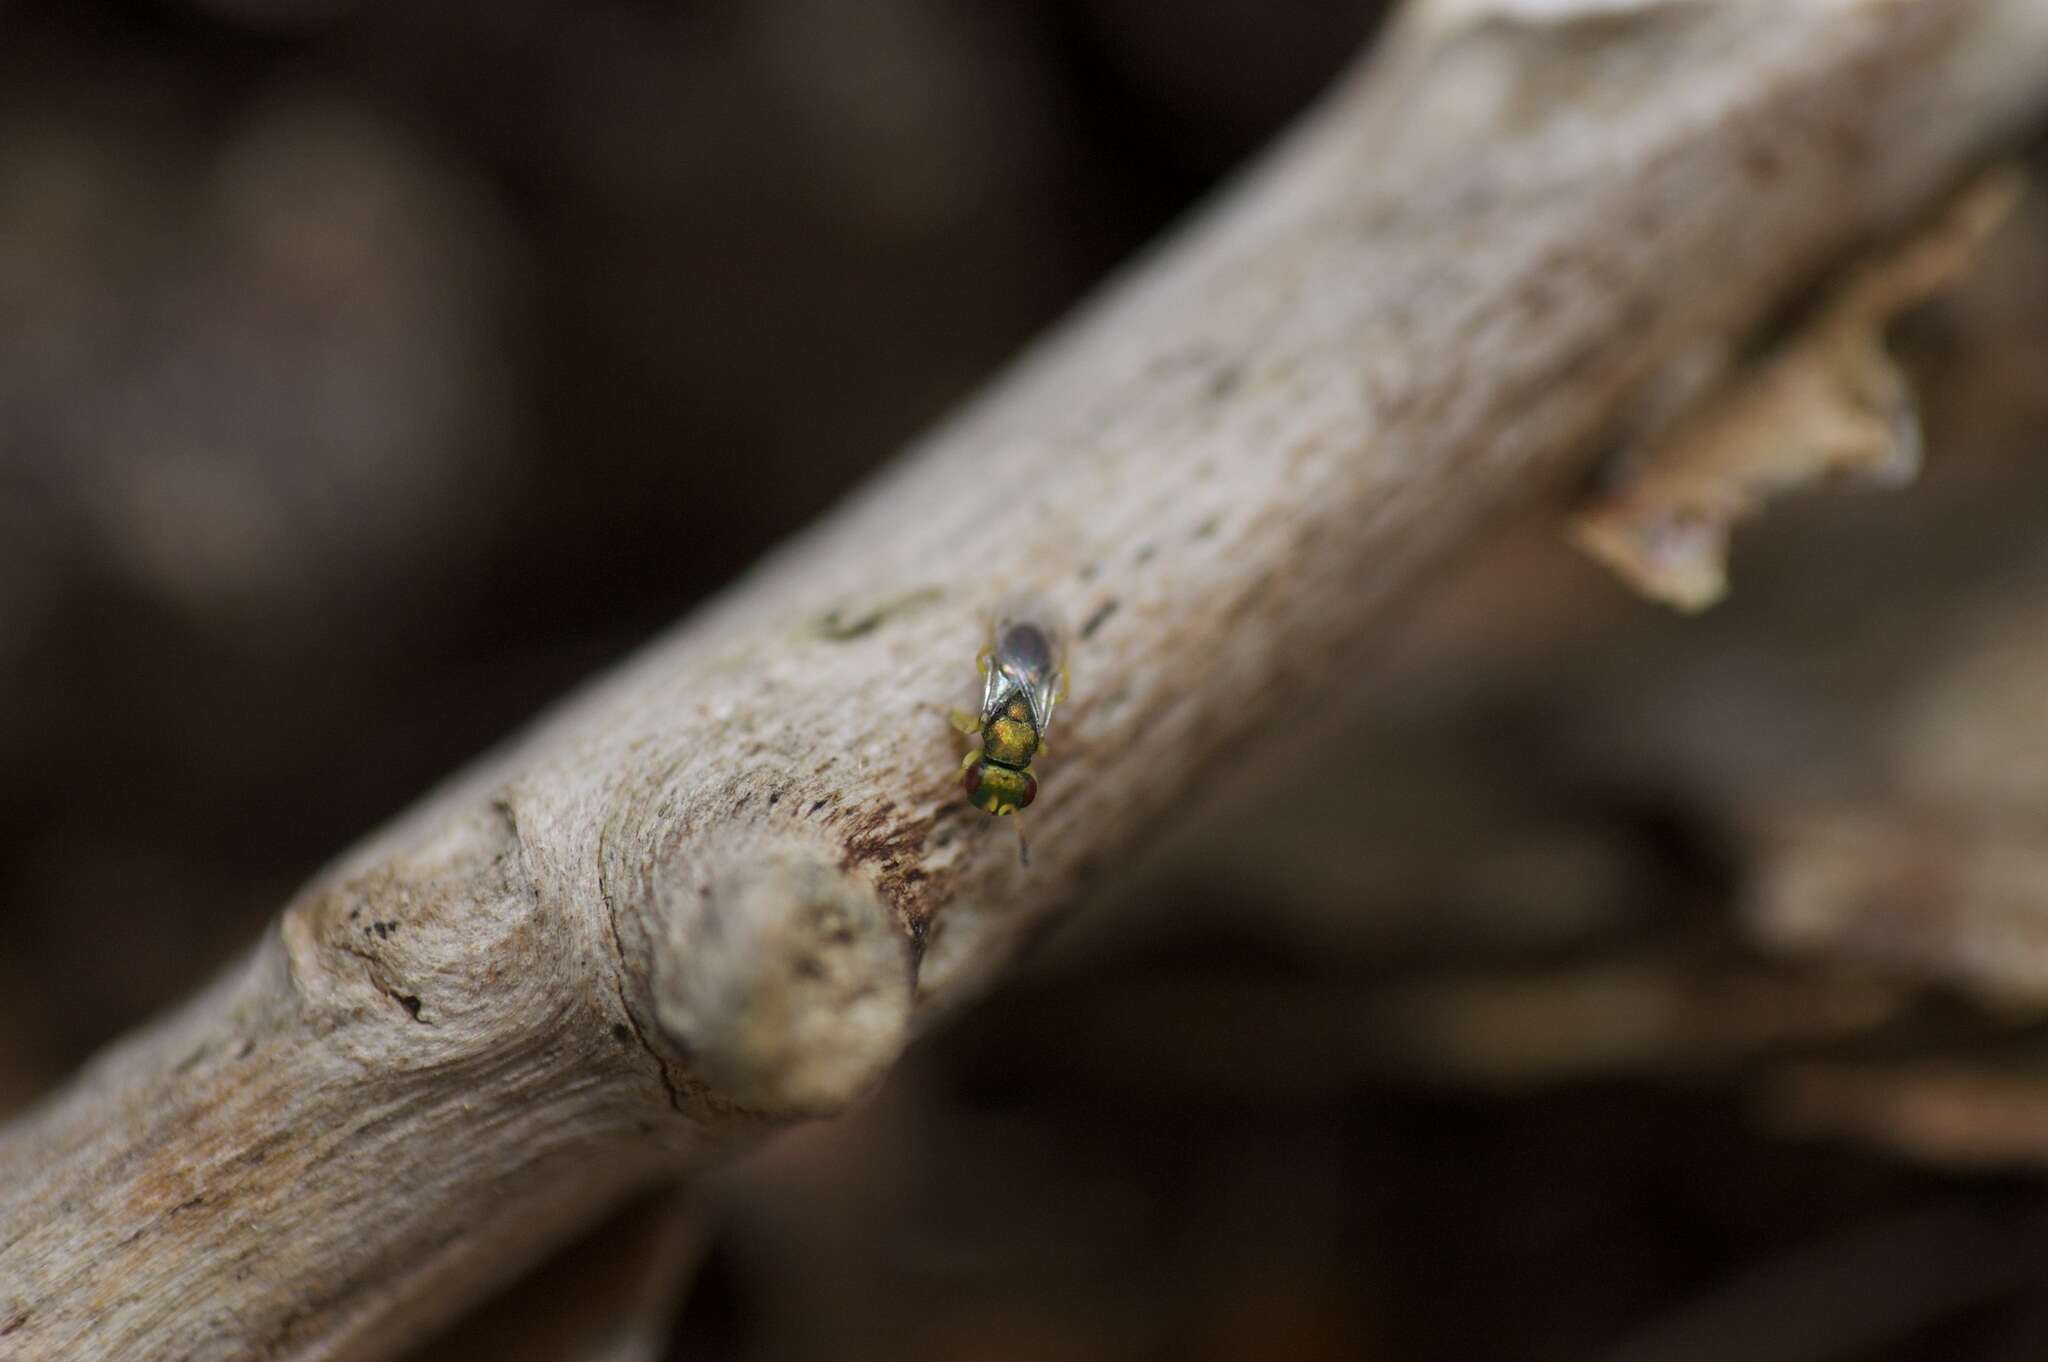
(999,789)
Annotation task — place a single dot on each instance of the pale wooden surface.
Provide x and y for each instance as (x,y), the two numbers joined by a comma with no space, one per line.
(718,888)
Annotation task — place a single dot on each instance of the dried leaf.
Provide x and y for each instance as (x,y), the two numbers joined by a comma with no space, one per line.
(1829,402)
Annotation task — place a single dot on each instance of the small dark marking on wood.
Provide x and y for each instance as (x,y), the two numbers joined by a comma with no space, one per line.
(1762,162)
(817,805)
(838,626)
(838,630)
(1090,571)
(1207,529)
(15,1325)
(1100,617)
(411,1003)
(1145,553)
(774,796)
(622,1033)
(1225,381)
(245,1049)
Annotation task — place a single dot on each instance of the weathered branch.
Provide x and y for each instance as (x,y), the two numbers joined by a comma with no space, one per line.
(713,891)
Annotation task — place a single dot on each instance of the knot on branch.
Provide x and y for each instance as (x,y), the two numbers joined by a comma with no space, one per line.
(784,979)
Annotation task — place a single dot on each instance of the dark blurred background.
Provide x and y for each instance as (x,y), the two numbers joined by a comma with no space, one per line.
(369,374)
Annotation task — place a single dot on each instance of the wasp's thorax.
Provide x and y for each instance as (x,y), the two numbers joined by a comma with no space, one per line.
(1009,736)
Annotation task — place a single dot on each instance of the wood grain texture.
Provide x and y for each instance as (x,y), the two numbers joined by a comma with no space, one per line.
(717,889)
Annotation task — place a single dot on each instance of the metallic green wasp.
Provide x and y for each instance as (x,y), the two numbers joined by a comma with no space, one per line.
(1024,675)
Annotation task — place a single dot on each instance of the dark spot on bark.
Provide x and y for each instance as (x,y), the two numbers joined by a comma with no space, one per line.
(622,1033)
(893,846)
(809,968)
(774,797)
(383,930)
(817,805)
(742,803)
(1207,529)
(840,624)
(1225,381)
(838,627)
(1848,141)
(1099,618)
(15,1325)
(411,1003)
(1145,553)
(1090,571)
(245,1049)
(1762,162)
(189,1204)
(354,913)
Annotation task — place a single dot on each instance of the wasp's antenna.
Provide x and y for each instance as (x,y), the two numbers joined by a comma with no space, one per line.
(1023,847)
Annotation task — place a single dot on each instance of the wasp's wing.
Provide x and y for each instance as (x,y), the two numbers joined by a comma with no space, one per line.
(1028,658)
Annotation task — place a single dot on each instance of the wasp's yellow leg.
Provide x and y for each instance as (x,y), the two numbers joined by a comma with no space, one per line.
(1064,679)
(1042,750)
(964,722)
(981,658)
(973,755)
